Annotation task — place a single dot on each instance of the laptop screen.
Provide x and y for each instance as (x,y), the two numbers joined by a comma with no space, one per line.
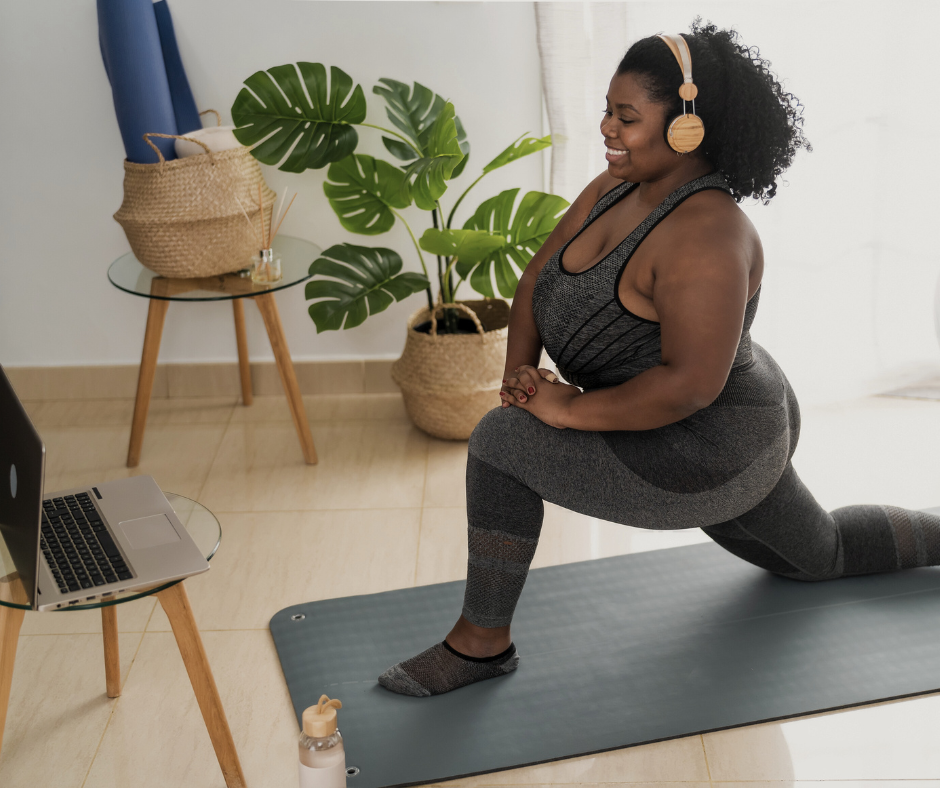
(21,479)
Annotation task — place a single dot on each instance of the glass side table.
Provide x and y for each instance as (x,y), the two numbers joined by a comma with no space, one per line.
(207,533)
(127,274)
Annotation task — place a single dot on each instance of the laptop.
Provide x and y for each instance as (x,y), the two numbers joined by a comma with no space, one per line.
(87,543)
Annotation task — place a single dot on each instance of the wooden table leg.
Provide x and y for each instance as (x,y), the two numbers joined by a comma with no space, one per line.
(272,322)
(244,370)
(112,653)
(175,602)
(148,369)
(11,619)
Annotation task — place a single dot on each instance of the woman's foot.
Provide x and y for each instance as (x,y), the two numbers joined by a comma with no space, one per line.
(468,654)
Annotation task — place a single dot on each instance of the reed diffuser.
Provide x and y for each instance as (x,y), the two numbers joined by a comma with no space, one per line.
(266,265)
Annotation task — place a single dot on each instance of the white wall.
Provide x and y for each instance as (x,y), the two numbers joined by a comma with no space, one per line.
(61,158)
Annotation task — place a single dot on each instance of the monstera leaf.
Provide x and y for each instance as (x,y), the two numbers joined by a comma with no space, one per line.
(464,144)
(362,282)
(399,149)
(468,246)
(274,114)
(534,220)
(521,147)
(362,190)
(413,111)
(426,176)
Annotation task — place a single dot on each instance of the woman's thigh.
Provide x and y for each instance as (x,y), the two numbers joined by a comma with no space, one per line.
(659,479)
(787,533)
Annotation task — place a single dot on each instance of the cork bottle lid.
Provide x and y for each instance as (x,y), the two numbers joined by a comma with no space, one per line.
(320,720)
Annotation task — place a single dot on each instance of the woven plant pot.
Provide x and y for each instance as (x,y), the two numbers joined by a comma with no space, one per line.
(449,381)
(182,218)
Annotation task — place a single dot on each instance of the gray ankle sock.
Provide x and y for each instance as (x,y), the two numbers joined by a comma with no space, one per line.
(442,668)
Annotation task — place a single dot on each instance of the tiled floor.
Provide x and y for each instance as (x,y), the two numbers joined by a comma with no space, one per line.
(392,499)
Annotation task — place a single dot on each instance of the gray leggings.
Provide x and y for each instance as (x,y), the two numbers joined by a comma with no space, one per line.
(516,462)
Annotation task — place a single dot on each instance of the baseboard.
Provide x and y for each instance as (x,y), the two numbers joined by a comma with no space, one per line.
(366,376)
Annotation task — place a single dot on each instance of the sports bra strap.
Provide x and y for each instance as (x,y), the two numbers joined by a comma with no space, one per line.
(606,201)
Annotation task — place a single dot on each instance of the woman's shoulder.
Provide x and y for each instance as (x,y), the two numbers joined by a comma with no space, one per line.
(710,224)
(590,195)
(601,185)
(713,210)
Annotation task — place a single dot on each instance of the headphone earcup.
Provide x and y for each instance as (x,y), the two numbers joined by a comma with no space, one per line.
(685,133)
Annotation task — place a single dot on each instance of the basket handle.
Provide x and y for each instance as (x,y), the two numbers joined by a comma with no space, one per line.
(150,134)
(218,117)
(464,307)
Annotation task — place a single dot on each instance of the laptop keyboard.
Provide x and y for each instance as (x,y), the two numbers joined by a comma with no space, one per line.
(77,546)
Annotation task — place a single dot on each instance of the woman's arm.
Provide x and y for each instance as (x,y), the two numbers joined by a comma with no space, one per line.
(699,293)
(525,344)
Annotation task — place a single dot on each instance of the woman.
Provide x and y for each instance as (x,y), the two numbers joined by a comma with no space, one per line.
(643,296)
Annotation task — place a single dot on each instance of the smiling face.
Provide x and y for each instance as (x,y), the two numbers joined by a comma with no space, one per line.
(632,126)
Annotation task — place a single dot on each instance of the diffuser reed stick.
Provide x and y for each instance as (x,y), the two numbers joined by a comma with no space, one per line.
(282,216)
(251,224)
(277,213)
(261,209)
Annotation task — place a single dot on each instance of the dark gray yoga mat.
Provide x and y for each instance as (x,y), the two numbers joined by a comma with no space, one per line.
(615,652)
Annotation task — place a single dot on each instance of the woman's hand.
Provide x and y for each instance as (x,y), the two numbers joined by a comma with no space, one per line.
(540,392)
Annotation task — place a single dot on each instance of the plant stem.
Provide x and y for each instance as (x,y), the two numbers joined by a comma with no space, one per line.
(453,210)
(452,292)
(440,278)
(420,257)
(440,268)
(401,137)
(450,283)
(447,290)
(447,295)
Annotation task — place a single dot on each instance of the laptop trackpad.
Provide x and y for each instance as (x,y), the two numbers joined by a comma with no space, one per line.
(149,531)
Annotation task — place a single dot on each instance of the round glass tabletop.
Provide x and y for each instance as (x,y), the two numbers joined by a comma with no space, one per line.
(128,274)
(202,525)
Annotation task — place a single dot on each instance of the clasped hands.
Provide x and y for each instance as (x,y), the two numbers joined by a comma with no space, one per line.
(540,393)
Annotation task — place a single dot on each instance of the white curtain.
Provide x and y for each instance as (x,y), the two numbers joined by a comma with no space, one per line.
(850,245)
(580,45)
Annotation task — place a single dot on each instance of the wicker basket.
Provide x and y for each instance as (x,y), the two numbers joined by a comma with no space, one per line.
(182,218)
(449,381)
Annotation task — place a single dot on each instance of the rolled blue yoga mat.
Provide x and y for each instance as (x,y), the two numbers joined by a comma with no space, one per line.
(184,105)
(133,60)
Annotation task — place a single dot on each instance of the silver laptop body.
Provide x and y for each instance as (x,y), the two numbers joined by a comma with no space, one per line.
(86,543)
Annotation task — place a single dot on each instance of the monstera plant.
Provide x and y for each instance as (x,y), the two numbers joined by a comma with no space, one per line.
(297,118)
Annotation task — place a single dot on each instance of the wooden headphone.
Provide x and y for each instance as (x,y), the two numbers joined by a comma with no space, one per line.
(685,132)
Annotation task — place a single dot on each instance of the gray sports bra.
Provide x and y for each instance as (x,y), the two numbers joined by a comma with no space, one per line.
(590,335)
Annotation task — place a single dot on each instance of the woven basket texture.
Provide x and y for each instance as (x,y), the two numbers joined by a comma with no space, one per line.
(182,218)
(450,381)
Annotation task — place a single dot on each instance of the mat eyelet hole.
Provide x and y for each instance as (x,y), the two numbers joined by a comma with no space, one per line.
(352,771)
(297,617)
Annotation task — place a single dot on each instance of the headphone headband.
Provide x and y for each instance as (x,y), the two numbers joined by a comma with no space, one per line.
(680,48)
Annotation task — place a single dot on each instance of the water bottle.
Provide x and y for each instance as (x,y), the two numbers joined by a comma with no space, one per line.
(322,756)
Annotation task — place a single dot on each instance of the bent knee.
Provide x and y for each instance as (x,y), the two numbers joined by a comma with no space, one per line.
(486,436)
(498,431)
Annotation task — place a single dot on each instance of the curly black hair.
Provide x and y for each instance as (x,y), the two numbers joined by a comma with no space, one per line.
(753,128)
